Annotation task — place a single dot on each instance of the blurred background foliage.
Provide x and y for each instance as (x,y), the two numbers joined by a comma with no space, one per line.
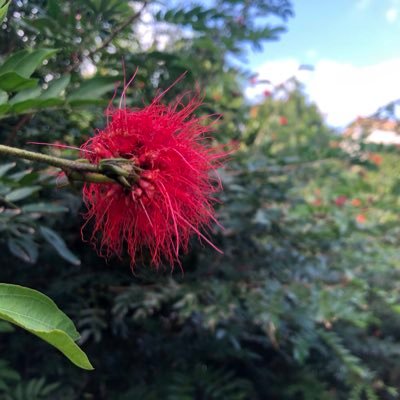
(304,303)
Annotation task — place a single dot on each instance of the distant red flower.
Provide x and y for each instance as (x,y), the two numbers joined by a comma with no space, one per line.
(340,201)
(267,93)
(375,158)
(317,202)
(356,202)
(171,197)
(361,218)
(283,120)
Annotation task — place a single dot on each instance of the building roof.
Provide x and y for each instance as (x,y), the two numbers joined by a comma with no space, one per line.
(374,130)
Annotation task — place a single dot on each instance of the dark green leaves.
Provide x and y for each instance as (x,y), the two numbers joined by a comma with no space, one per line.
(4,168)
(59,245)
(21,193)
(24,248)
(22,216)
(47,208)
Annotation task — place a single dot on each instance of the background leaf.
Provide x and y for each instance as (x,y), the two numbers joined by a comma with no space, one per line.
(58,243)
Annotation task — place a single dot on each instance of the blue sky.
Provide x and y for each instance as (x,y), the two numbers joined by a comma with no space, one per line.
(354,46)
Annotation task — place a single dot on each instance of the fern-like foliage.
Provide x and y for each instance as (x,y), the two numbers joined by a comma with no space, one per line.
(207,383)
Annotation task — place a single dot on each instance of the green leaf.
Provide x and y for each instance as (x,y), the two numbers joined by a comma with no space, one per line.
(56,87)
(4,8)
(25,62)
(12,82)
(35,104)
(12,61)
(46,208)
(27,178)
(24,248)
(39,315)
(59,245)
(4,108)
(92,89)
(22,193)
(20,175)
(4,168)
(3,97)
(26,94)
(54,9)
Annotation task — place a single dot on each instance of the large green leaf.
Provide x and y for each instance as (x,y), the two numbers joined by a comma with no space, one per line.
(25,62)
(39,315)
(35,99)
(26,94)
(12,82)
(4,8)
(12,61)
(34,104)
(92,89)
(56,87)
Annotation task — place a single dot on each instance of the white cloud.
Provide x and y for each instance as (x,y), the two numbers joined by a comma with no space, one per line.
(392,14)
(276,72)
(341,91)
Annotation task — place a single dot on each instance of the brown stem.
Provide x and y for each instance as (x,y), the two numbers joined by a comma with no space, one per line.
(50,160)
(111,170)
(18,126)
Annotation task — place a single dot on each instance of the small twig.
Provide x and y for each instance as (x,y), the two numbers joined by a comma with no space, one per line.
(11,138)
(77,59)
(118,29)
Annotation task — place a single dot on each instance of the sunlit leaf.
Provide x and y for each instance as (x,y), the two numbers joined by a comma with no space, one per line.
(4,4)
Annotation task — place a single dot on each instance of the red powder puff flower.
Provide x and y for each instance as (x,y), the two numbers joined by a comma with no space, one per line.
(169,196)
